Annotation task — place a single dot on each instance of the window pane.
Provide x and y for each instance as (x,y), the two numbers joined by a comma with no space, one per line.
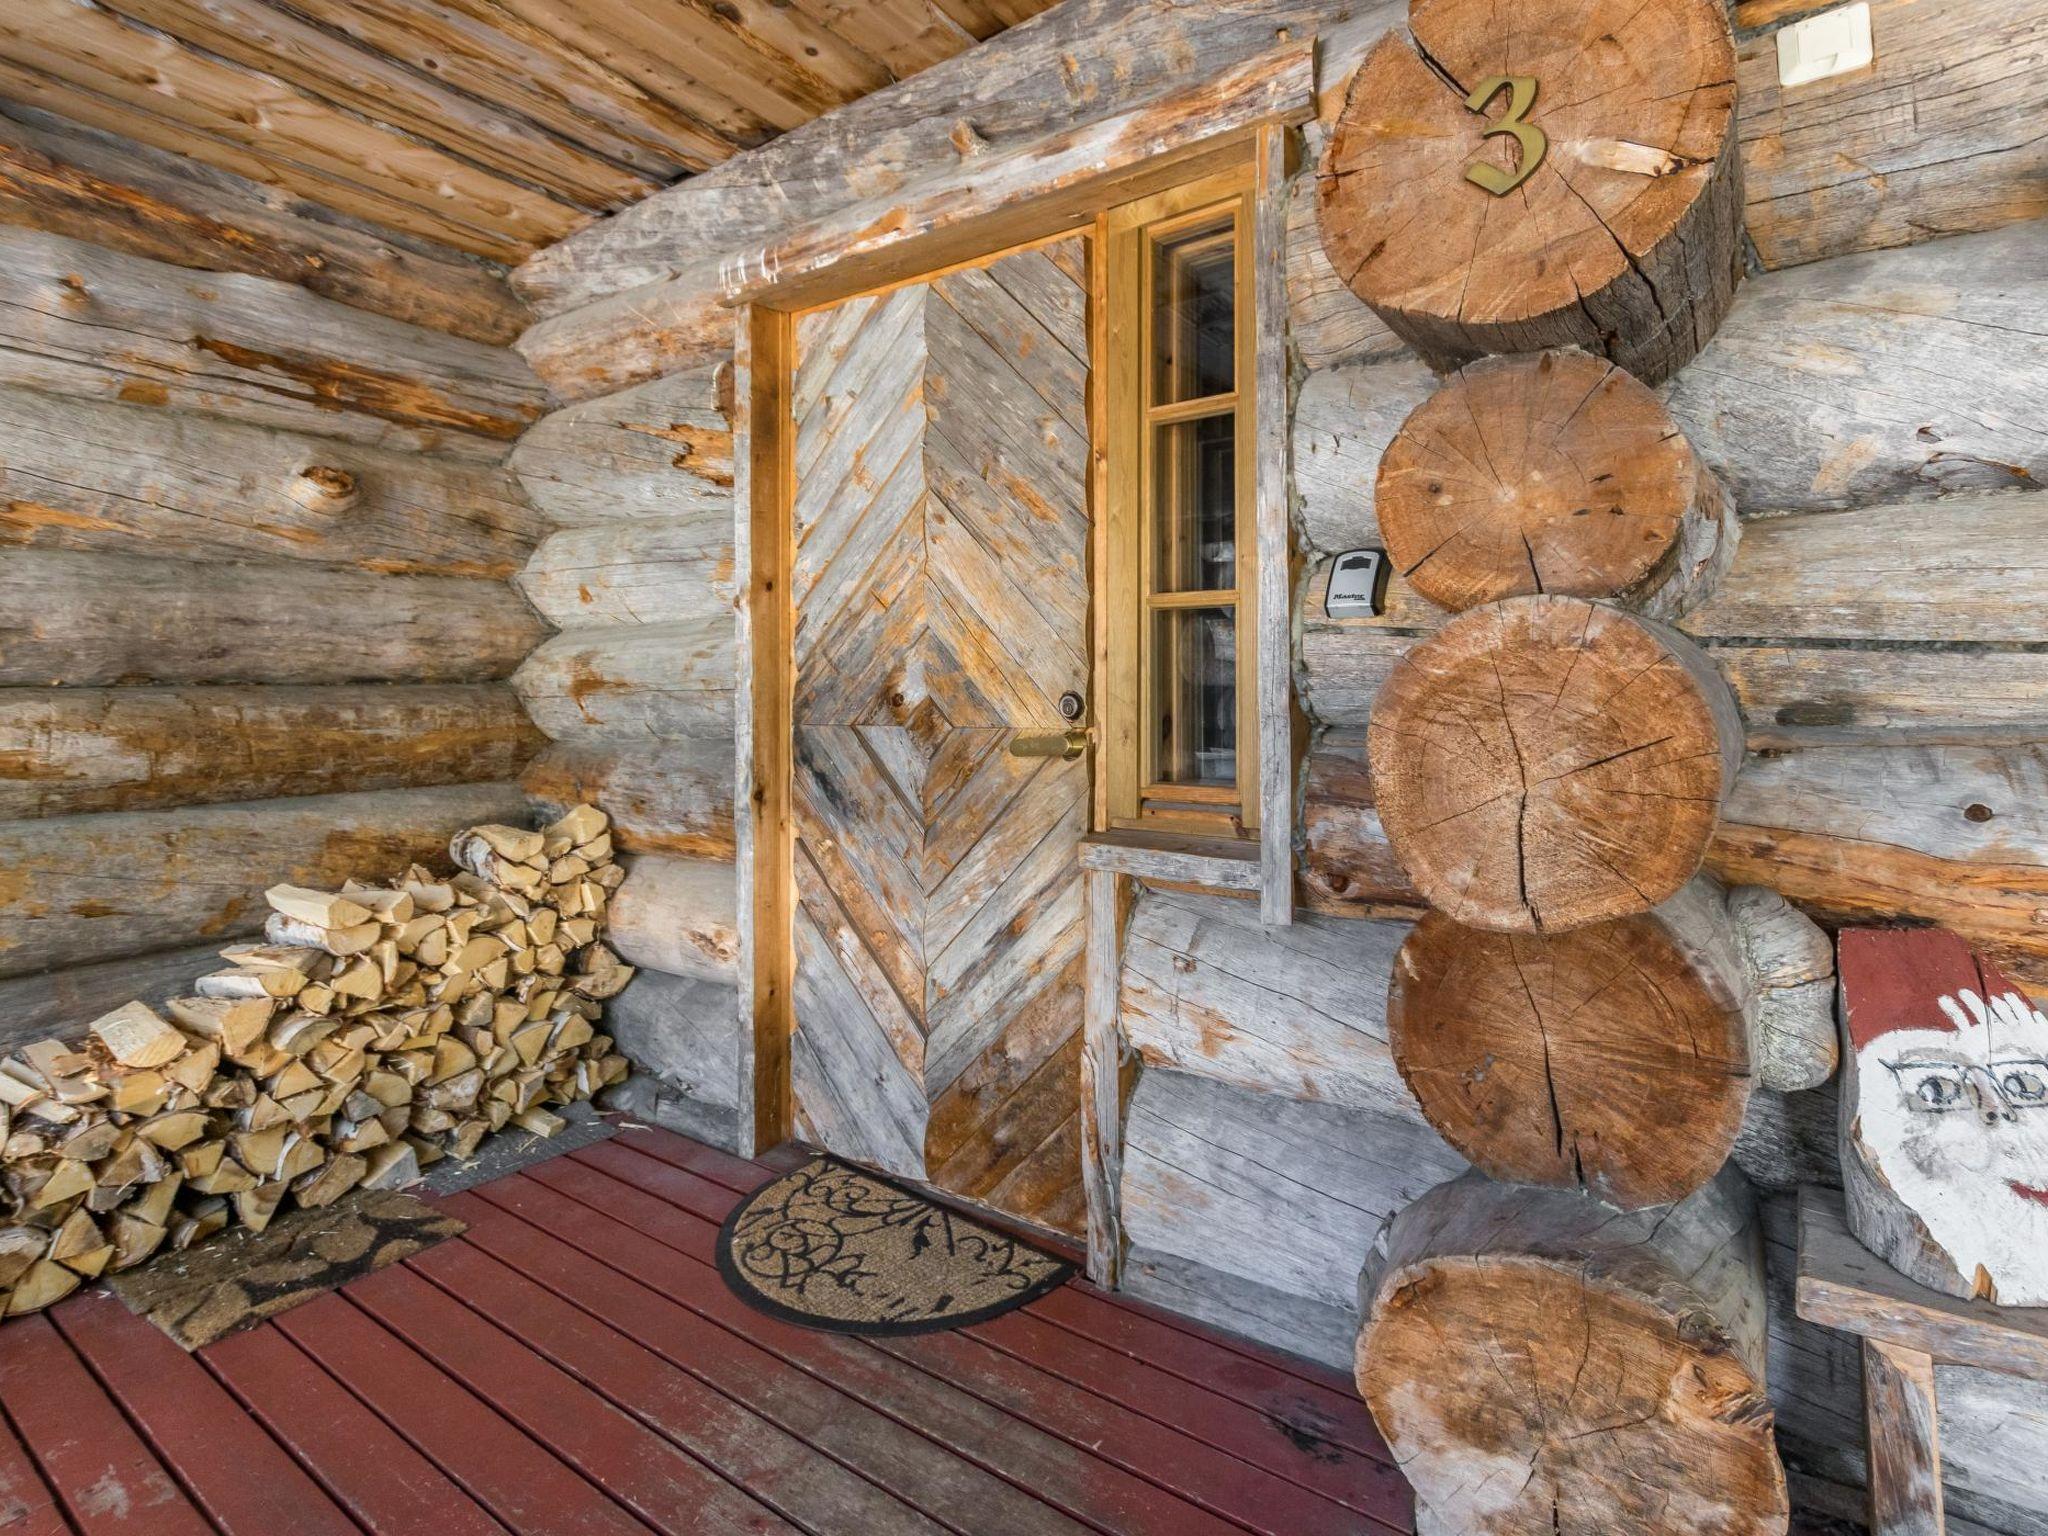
(1194,695)
(1194,302)
(1194,497)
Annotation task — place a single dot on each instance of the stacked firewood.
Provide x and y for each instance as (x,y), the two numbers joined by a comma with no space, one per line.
(377,1030)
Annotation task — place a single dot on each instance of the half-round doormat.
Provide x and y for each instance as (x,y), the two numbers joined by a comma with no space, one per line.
(830,1246)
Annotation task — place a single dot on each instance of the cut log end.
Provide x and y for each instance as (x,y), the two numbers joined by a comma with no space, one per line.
(1557,474)
(1622,237)
(1613,1059)
(1544,763)
(1539,1364)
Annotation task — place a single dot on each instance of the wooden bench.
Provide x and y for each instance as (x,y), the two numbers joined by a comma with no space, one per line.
(1907,1330)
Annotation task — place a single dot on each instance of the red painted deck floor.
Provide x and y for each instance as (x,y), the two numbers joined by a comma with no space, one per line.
(574,1365)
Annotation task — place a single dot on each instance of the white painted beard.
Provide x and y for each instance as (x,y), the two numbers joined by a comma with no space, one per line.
(1978,1181)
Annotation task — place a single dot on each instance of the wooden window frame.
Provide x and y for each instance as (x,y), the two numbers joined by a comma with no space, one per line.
(1131,796)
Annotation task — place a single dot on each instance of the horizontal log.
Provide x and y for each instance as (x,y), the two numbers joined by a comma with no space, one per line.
(87,474)
(62,1003)
(1815,624)
(682,1035)
(672,797)
(1850,831)
(71,751)
(70,619)
(1299,1011)
(1282,1193)
(649,571)
(1327,323)
(114,192)
(1892,377)
(1933,139)
(666,681)
(79,890)
(76,319)
(662,449)
(677,916)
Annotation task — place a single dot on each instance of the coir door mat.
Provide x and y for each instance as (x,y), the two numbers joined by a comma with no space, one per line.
(830,1246)
(236,1280)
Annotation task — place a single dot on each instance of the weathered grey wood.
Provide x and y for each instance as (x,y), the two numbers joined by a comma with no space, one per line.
(1791,972)
(1843,1285)
(70,180)
(1889,377)
(1223,864)
(682,1035)
(649,571)
(1932,140)
(626,684)
(663,797)
(61,1003)
(1788,1139)
(82,889)
(66,751)
(1327,323)
(1243,1186)
(1105,1058)
(1905,1442)
(661,449)
(84,474)
(76,319)
(676,916)
(1992,1426)
(1273,532)
(82,620)
(1298,1011)
(1322,1331)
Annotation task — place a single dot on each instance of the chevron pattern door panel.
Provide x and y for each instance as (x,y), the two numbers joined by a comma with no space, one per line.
(940,585)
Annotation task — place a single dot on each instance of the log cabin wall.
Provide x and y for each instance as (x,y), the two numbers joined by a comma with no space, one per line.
(257,545)
(1873,402)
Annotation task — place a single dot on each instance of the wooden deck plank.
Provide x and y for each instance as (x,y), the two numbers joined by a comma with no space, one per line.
(1335,1472)
(810,1491)
(735,1173)
(243,1481)
(110,1483)
(1081,1404)
(388,1486)
(1307,1409)
(28,1507)
(1084,1486)
(653,1478)
(511,1474)
(831,1426)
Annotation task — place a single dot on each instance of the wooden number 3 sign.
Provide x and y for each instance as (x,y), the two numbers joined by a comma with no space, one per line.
(1521,97)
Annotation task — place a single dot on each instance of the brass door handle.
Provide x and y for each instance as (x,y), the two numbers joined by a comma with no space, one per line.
(1066,745)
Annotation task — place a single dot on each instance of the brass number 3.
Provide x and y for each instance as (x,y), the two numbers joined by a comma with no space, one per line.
(1521,97)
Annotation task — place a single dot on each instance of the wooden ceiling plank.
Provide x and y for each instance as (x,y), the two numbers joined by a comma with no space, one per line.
(766,83)
(655,66)
(334,68)
(494,55)
(115,192)
(90,108)
(905,35)
(985,18)
(89,46)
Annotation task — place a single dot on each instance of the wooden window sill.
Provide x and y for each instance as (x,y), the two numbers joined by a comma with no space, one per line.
(1220,863)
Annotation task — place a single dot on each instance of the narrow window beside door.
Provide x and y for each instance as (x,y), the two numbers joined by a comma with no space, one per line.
(1180,740)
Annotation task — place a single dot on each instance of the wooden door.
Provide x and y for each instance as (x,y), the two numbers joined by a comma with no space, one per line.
(940,591)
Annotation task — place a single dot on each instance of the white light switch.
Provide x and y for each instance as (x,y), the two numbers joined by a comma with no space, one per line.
(1823,46)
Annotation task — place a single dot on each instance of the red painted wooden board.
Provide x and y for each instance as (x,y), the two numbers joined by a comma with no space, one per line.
(388,1487)
(510,1473)
(1082,1485)
(1239,1490)
(27,1507)
(109,1482)
(244,1482)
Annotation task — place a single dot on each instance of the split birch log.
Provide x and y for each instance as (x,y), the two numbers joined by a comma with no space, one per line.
(1617,1058)
(1944,1088)
(1557,473)
(1542,1365)
(1585,192)
(1544,762)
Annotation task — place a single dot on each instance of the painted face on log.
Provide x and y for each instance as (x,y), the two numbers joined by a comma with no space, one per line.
(1953,1107)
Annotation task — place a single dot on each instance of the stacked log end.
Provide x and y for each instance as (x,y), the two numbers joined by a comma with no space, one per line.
(377,1030)
(1624,236)
(1540,1363)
